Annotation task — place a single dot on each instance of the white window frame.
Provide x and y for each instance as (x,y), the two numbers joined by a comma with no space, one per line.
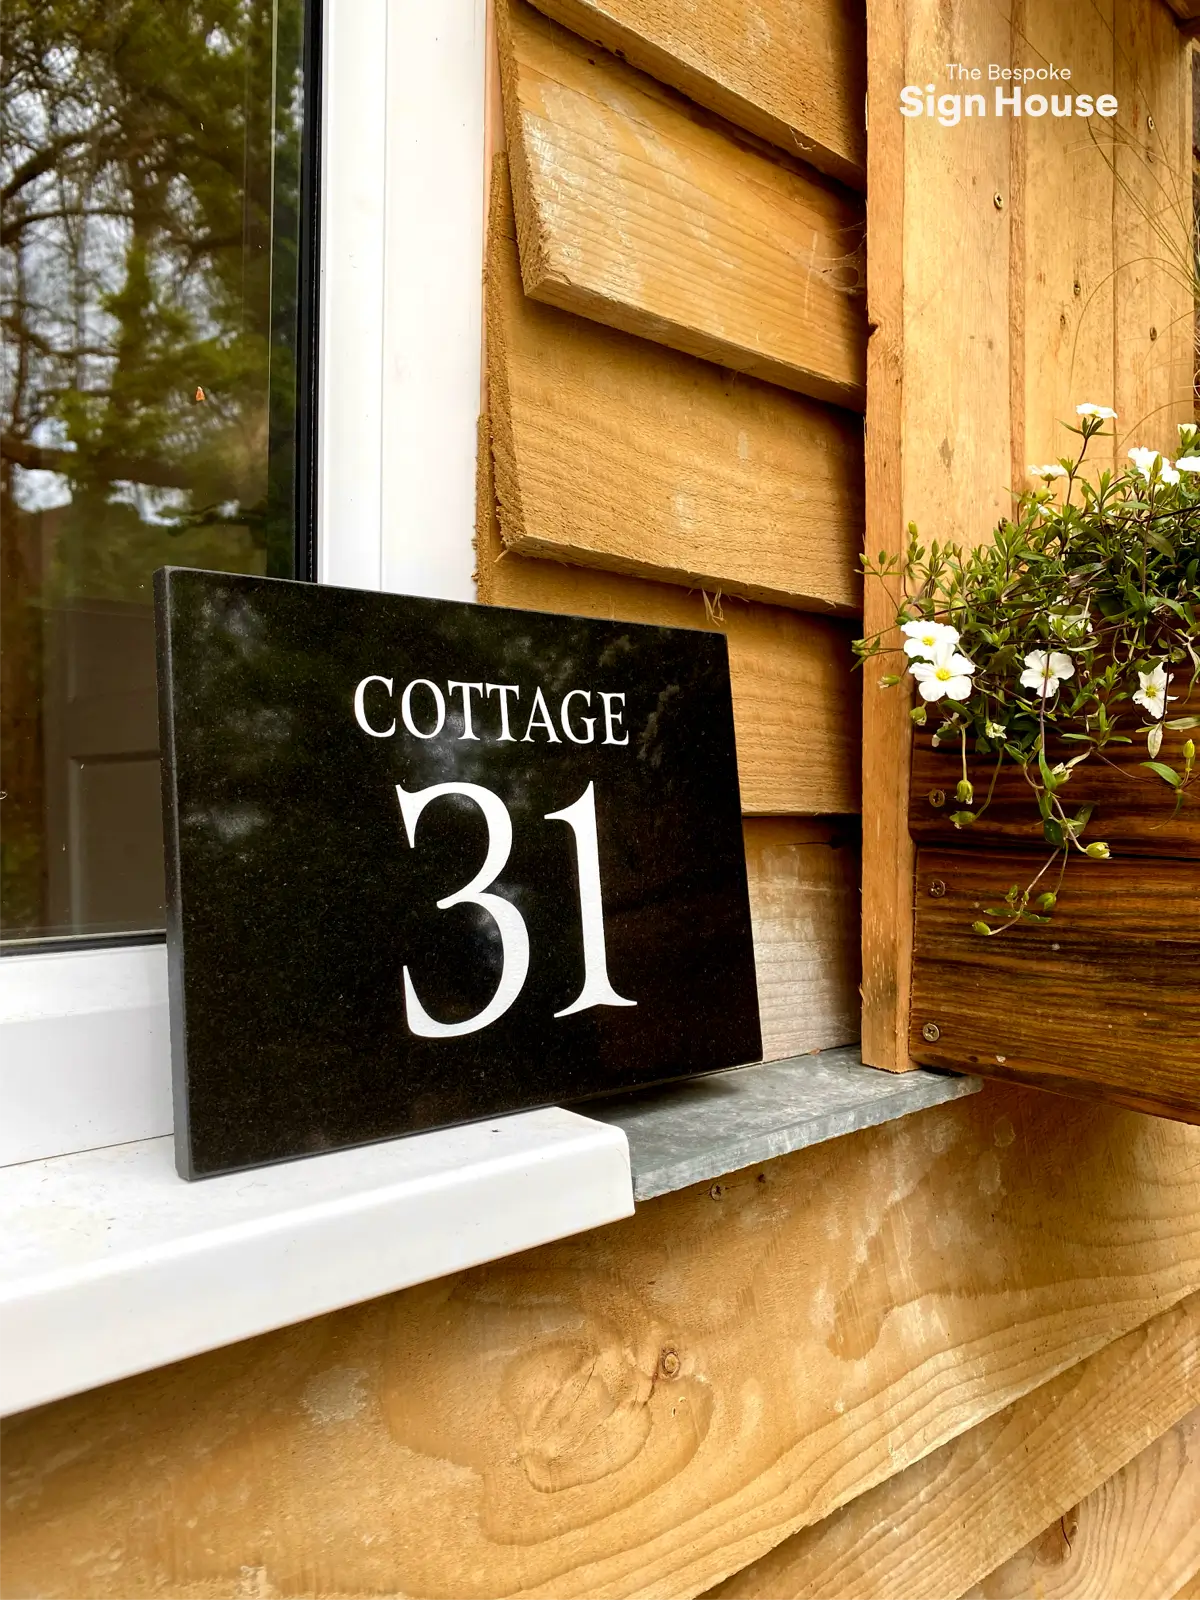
(84,1053)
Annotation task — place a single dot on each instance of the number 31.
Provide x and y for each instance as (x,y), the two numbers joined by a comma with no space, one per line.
(510,924)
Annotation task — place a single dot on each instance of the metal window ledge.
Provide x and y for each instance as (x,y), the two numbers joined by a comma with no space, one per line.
(110,1265)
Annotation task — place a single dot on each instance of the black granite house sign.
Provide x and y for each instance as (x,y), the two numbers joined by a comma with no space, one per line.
(429,862)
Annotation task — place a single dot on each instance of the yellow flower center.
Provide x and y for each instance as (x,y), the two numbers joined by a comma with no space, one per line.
(944,674)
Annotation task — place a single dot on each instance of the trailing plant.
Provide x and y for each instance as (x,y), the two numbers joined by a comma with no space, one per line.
(1073,631)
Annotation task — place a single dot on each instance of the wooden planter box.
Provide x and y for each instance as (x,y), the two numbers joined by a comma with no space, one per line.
(1103,1000)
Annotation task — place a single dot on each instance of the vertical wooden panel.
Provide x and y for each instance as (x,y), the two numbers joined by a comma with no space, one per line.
(1063,238)
(1152,225)
(938,440)
(804,908)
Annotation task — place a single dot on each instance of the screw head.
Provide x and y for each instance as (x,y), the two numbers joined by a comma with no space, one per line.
(1153,335)
(998,201)
(937,798)
(931,1033)
(1150,123)
(937,888)
(669,1363)
(717,1191)
(1078,287)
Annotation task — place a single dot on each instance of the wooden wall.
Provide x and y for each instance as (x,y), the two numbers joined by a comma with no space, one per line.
(901,1342)
(676,344)
(1016,268)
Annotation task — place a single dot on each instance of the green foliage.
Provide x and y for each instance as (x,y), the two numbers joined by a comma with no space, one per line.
(1094,597)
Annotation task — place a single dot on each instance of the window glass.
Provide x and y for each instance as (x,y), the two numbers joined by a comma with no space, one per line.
(157,286)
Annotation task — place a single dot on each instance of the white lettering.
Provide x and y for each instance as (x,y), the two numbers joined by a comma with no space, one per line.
(597,989)
(612,718)
(588,722)
(503,690)
(1013,100)
(360,714)
(910,101)
(1106,105)
(468,728)
(542,721)
(514,936)
(406,708)
(1036,106)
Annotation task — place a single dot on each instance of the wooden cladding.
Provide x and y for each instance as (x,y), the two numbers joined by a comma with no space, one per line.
(616,453)
(795,75)
(1101,1000)
(803,877)
(514,1431)
(795,719)
(1000,1485)
(635,212)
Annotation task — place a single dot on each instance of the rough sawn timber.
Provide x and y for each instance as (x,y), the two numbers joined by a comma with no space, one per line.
(793,74)
(515,1430)
(1137,1536)
(616,453)
(1102,999)
(803,877)
(1134,809)
(633,210)
(796,726)
(941,1525)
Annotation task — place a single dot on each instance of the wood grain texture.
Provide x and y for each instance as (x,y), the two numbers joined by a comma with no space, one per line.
(1101,1000)
(1136,1536)
(794,714)
(512,1430)
(795,74)
(1152,225)
(1134,808)
(633,210)
(804,910)
(938,439)
(616,453)
(941,1525)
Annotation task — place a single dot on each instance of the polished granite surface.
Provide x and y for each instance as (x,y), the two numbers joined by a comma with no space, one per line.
(319,996)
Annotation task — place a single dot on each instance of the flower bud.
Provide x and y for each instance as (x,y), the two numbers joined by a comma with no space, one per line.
(965,792)
(1047,901)
(1098,850)
(919,715)
(980,927)
(888,681)
(1189,751)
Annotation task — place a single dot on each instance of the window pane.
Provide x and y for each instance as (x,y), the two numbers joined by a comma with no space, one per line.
(156,332)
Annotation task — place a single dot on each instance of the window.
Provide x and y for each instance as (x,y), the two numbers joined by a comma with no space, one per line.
(395,395)
(158,275)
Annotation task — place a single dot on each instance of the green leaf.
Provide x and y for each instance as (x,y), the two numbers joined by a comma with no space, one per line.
(1166,773)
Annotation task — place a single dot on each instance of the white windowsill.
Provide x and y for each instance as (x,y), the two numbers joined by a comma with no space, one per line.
(111,1265)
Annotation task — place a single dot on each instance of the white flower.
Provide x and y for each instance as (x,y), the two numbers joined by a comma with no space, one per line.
(1153,693)
(924,639)
(1052,469)
(1146,460)
(1045,670)
(1073,626)
(1087,409)
(994,730)
(948,674)
(1188,464)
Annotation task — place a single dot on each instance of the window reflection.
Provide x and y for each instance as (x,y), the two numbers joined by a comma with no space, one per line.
(154,243)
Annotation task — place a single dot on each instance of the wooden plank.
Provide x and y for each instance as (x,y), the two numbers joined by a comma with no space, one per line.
(1137,1536)
(796,75)
(616,453)
(796,724)
(1152,217)
(1101,1000)
(804,909)
(1133,807)
(640,1411)
(948,1521)
(938,437)
(1062,242)
(635,211)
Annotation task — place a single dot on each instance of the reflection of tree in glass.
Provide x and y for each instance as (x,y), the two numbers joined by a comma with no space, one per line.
(149,223)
